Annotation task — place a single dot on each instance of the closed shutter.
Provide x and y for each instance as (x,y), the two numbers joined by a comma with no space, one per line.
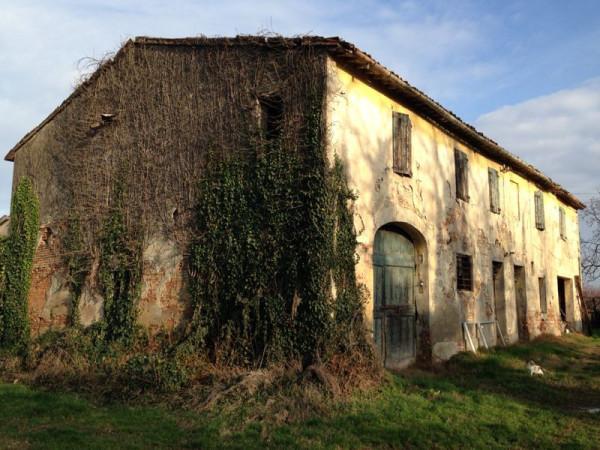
(562,224)
(494,190)
(402,147)
(461,165)
(539,211)
(542,287)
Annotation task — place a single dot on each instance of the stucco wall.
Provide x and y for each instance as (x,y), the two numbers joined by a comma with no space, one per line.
(359,121)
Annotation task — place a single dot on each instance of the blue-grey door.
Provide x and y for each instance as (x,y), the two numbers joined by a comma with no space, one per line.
(394,310)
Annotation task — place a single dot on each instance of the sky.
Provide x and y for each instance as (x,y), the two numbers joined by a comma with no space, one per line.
(526,73)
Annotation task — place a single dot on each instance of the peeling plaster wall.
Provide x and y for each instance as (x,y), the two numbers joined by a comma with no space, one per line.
(359,121)
(164,296)
(49,297)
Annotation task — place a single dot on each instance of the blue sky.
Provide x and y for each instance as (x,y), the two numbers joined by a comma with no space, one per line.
(527,73)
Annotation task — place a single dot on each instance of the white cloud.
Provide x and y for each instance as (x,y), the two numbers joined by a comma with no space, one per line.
(558,133)
(41,42)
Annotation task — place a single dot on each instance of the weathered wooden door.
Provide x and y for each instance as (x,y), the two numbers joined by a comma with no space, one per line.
(394,310)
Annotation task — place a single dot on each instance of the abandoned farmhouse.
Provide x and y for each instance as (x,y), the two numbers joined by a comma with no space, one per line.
(460,244)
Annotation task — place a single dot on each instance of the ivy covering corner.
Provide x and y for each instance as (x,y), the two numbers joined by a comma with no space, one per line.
(274,259)
(16,260)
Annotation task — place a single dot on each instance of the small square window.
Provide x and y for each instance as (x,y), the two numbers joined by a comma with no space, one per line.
(464,272)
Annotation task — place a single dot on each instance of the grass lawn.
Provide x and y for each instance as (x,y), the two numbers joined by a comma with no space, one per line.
(486,401)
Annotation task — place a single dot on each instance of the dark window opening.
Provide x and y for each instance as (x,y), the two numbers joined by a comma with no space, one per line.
(461,168)
(521,302)
(499,299)
(271,116)
(402,147)
(542,290)
(540,222)
(464,272)
(562,298)
(494,186)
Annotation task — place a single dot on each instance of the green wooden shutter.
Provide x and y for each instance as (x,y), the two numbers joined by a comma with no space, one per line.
(461,167)
(494,190)
(401,143)
(543,302)
(539,211)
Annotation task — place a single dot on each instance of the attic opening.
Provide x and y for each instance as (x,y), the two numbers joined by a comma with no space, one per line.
(270,116)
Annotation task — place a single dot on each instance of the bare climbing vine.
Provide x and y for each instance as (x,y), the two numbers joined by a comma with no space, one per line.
(168,141)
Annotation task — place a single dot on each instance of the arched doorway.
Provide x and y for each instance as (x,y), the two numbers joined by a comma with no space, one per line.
(394,315)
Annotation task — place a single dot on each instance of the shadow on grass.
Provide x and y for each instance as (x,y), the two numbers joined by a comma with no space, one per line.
(37,419)
(484,401)
(570,382)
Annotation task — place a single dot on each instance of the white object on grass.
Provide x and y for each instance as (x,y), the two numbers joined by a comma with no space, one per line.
(534,369)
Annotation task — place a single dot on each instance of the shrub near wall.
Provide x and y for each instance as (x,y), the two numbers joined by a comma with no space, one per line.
(17,253)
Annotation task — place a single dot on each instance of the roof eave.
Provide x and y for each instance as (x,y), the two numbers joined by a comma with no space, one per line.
(371,70)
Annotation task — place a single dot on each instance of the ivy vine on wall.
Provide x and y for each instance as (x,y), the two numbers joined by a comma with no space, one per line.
(17,260)
(119,274)
(274,234)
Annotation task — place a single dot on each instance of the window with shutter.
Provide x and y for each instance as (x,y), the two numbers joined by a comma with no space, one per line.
(540,223)
(494,190)
(461,168)
(542,288)
(270,116)
(401,143)
(561,223)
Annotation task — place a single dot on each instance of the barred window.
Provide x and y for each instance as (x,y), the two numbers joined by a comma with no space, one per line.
(464,272)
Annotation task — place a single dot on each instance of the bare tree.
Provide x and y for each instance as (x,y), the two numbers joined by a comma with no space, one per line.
(591,243)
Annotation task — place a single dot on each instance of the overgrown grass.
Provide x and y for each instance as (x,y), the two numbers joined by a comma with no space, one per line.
(485,401)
